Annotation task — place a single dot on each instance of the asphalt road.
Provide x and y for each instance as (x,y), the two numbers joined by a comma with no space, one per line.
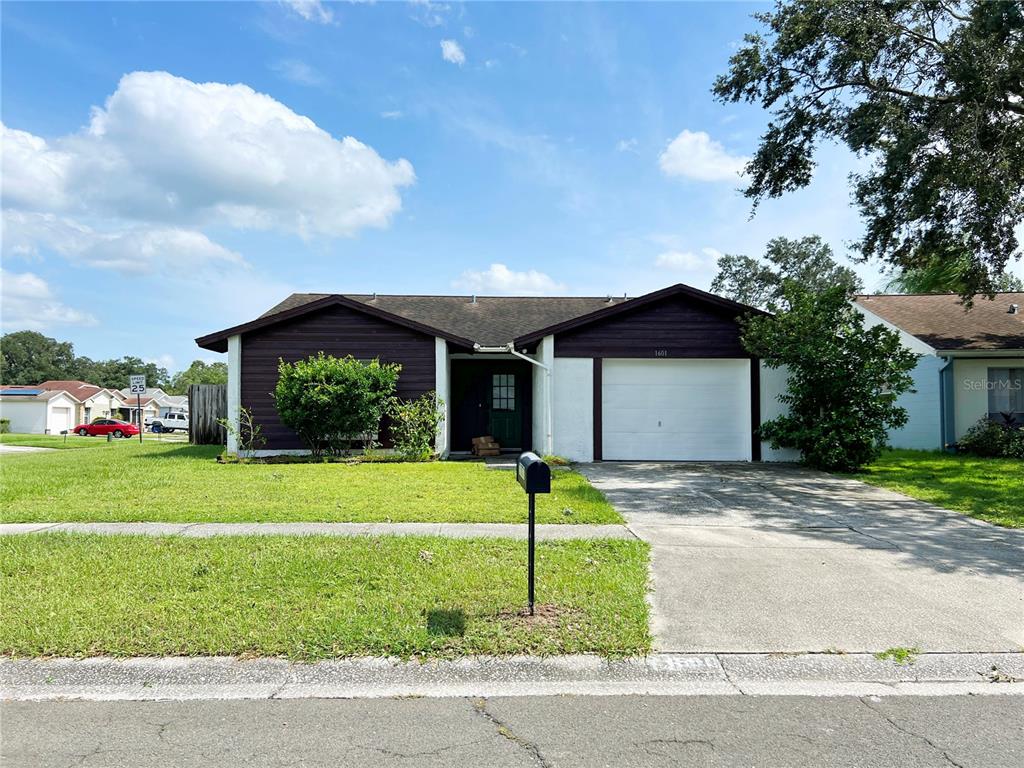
(615,731)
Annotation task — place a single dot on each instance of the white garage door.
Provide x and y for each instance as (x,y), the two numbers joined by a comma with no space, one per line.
(676,410)
(60,419)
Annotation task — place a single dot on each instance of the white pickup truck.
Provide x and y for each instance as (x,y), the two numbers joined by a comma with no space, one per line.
(172,422)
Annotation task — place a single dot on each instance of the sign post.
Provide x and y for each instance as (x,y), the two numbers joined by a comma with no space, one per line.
(535,477)
(137,387)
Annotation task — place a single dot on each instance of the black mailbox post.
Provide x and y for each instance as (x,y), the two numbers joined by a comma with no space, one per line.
(535,477)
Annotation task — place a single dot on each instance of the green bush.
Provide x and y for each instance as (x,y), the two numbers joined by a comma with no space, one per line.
(993,440)
(414,425)
(333,403)
(843,382)
(5,426)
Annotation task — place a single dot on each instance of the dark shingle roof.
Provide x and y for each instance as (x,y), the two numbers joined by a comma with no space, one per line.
(491,321)
(942,322)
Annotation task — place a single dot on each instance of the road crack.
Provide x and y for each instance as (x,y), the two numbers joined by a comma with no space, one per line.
(480,707)
(891,721)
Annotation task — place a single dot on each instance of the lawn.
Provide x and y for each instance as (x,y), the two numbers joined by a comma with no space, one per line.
(74,441)
(989,489)
(316,597)
(181,483)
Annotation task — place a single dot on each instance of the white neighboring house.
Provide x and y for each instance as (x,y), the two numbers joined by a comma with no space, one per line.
(161,403)
(95,402)
(37,411)
(971,365)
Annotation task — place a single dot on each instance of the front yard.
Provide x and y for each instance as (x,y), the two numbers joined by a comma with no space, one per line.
(989,489)
(316,597)
(174,482)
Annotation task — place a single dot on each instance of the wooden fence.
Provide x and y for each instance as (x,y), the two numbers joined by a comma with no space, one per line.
(206,404)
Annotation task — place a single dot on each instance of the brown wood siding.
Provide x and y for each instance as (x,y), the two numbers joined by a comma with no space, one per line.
(337,331)
(677,327)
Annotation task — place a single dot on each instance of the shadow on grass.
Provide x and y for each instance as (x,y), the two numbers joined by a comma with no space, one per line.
(185,451)
(445,622)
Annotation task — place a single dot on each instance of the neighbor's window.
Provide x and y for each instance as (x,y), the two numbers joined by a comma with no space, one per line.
(1005,391)
(503,391)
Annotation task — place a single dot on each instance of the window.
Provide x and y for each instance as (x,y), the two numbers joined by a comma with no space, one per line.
(1005,391)
(503,392)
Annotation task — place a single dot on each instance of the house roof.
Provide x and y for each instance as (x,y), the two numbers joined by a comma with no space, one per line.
(35,393)
(467,320)
(81,390)
(944,323)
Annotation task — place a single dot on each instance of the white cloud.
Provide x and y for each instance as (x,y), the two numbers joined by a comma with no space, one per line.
(627,145)
(28,303)
(682,261)
(163,361)
(392,114)
(135,251)
(695,155)
(311,10)
(430,14)
(298,72)
(452,52)
(227,155)
(499,279)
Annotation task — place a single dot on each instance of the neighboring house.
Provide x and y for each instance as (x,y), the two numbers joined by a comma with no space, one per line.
(163,402)
(662,376)
(129,411)
(37,411)
(95,402)
(971,366)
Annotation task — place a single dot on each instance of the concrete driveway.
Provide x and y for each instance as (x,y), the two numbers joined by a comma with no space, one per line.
(769,557)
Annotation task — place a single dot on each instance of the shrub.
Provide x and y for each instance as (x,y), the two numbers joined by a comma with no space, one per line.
(414,425)
(332,403)
(843,378)
(248,435)
(993,440)
(5,425)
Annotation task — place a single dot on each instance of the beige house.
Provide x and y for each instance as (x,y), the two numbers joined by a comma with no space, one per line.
(94,402)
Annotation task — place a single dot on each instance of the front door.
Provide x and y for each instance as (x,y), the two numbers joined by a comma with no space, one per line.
(490,398)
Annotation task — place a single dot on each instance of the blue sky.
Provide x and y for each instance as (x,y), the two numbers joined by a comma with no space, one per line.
(173,169)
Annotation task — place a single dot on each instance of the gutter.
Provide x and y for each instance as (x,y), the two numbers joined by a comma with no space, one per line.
(510,348)
(946,407)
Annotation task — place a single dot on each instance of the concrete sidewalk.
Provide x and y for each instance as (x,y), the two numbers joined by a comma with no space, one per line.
(189,678)
(545,532)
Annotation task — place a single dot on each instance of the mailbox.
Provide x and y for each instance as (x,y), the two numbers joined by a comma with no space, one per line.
(533,474)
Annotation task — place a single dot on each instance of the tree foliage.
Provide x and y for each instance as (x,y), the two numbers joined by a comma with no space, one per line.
(333,403)
(947,276)
(931,92)
(199,372)
(808,261)
(28,357)
(843,380)
(113,374)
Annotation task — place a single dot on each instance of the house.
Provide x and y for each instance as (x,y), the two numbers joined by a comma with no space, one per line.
(94,402)
(659,377)
(129,410)
(162,402)
(38,411)
(971,365)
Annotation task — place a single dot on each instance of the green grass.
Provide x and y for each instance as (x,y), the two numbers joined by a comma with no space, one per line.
(180,483)
(989,489)
(316,597)
(899,655)
(74,441)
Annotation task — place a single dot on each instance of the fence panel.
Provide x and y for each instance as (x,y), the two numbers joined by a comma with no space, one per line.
(206,404)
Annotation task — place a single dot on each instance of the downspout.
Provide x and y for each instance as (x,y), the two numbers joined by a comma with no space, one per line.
(549,405)
(945,411)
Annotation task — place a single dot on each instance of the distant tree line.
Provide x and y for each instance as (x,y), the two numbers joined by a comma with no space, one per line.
(29,357)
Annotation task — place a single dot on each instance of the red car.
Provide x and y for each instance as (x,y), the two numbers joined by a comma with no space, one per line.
(114,427)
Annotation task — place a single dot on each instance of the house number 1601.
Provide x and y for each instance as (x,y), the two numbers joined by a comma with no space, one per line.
(661,353)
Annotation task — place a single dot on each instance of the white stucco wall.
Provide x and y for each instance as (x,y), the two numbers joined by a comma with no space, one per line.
(546,355)
(923,430)
(773,384)
(574,408)
(442,377)
(234,388)
(27,417)
(970,386)
(61,401)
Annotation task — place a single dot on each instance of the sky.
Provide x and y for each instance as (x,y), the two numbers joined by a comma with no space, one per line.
(172,169)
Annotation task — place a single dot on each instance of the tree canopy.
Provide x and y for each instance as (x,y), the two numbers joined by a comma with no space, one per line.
(199,372)
(930,92)
(808,261)
(28,357)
